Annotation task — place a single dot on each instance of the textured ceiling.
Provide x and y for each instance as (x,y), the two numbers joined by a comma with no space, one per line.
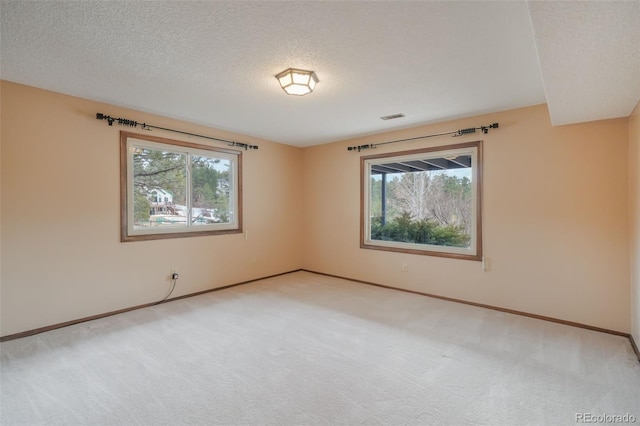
(214,62)
(589,55)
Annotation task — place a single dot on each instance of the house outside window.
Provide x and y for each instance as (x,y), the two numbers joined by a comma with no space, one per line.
(176,189)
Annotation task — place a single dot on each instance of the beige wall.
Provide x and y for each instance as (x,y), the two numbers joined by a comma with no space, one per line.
(634,218)
(555,228)
(556,223)
(61,254)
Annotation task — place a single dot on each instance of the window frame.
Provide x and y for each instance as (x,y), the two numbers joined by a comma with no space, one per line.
(127,233)
(474,252)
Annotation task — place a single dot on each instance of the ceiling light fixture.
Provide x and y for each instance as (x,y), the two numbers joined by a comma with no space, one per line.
(297,82)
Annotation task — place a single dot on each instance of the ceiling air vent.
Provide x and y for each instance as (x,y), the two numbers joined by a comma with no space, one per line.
(392,116)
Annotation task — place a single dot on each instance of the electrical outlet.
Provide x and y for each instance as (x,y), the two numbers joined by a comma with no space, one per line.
(174,275)
(405,267)
(486,264)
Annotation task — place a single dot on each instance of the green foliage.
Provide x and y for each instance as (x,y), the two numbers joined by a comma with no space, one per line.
(165,170)
(425,231)
(160,169)
(376,197)
(141,208)
(375,194)
(210,186)
(427,207)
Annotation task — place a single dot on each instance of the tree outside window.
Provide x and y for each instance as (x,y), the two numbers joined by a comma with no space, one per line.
(424,201)
(177,189)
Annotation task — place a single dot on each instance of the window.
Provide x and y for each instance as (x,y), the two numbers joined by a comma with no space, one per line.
(423,201)
(173,189)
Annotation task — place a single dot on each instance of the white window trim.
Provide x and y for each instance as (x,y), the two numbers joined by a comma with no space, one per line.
(130,141)
(474,252)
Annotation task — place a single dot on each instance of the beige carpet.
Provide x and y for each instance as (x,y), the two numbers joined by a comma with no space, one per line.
(305,349)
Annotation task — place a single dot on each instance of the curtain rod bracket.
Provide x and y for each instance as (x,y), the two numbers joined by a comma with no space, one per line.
(361,147)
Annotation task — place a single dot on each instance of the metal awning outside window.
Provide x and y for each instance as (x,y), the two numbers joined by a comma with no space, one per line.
(459,162)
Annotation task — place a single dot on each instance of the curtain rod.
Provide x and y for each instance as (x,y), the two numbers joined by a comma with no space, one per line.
(455,133)
(145,126)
